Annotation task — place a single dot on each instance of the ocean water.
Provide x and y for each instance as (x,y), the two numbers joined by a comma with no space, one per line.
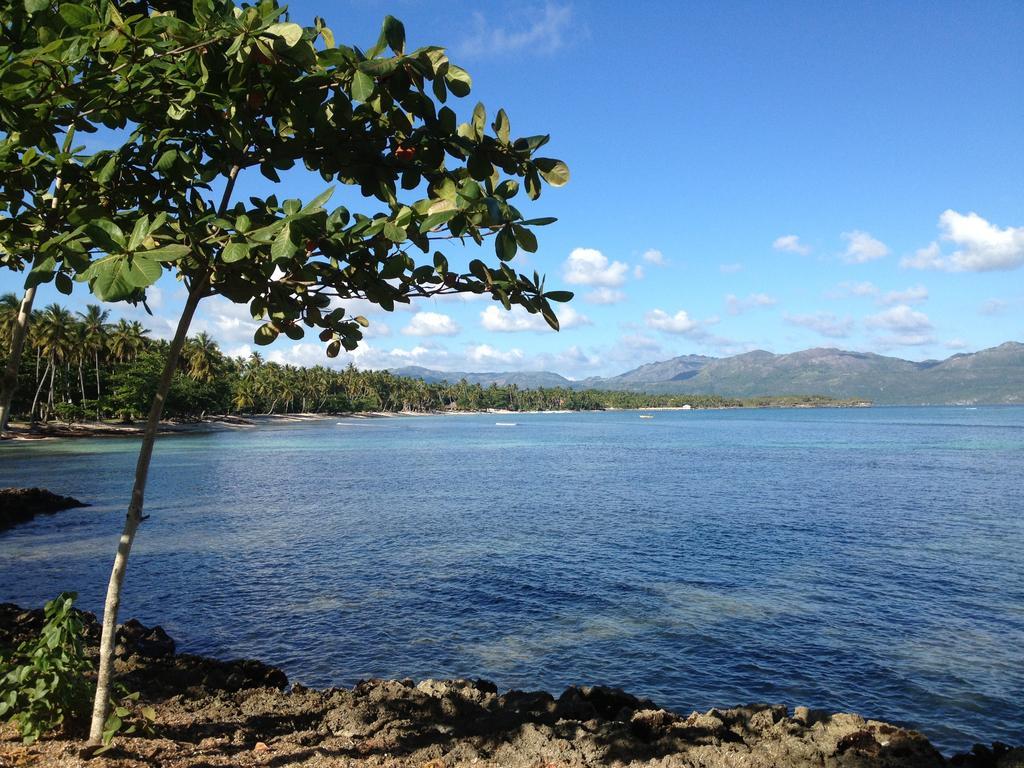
(867,560)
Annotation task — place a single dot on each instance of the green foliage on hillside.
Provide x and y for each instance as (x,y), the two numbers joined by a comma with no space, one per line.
(114,375)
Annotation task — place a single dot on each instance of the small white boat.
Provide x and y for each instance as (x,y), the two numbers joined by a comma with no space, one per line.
(504,423)
(646,416)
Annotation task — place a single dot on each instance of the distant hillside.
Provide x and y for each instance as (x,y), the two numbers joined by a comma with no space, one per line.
(993,375)
(522,379)
(990,376)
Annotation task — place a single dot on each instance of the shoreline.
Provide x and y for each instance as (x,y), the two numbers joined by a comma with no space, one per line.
(243,713)
(22,431)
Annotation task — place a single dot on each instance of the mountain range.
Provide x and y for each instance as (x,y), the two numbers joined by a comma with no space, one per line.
(994,375)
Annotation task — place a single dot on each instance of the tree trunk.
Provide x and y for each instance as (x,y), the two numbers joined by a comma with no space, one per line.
(39,390)
(81,381)
(49,401)
(134,517)
(96,354)
(9,383)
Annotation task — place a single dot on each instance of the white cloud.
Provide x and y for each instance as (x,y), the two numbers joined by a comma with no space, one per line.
(862,247)
(730,269)
(485,353)
(431,324)
(791,244)
(860,289)
(638,272)
(654,256)
(736,306)
(545,35)
(929,257)
(900,318)
(636,341)
(956,344)
(994,307)
(604,296)
(680,322)
(913,295)
(588,266)
(496,319)
(242,350)
(980,246)
(824,323)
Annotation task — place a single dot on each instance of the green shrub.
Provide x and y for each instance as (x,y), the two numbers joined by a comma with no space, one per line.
(46,686)
(49,682)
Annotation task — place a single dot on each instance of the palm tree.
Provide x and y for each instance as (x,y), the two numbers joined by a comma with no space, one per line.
(96,328)
(9,307)
(127,340)
(202,357)
(55,340)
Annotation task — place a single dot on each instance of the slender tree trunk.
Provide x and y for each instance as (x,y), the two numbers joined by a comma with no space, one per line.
(49,400)
(134,517)
(9,383)
(39,390)
(96,354)
(81,381)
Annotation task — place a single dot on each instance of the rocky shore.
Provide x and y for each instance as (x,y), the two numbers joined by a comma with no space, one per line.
(19,505)
(241,713)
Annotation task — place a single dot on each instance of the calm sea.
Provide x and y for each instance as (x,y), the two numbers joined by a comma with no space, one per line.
(866,560)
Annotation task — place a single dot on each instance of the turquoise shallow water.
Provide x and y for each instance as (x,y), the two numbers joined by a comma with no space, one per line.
(869,560)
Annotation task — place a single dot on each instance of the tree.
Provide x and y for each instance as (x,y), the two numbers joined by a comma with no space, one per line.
(202,357)
(94,337)
(222,90)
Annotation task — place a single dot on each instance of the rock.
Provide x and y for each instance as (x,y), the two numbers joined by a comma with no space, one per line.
(151,642)
(19,505)
(260,746)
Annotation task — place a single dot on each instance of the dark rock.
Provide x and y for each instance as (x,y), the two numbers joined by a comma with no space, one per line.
(862,741)
(19,505)
(590,701)
(135,638)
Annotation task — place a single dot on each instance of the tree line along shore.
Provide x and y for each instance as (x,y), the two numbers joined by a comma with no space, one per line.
(80,366)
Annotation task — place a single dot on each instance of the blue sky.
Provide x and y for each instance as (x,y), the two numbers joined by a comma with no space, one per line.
(744,176)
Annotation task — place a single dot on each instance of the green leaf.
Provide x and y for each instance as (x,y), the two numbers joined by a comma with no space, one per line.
(176,112)
(106,173)
(289,32)
(166,161)
(501,126)
(395,233)
(505,244)
(266,334)
(436,219)
(479,119)
(171,252)
(64,284)
(283,247)
(394,33)
(555,172)
(526,239)
(560,296)
(139,233)
(235,252)
(76,16)
(115,278)
(106,234)
(317,203)
(458,80)
(362,86)
(35,6)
